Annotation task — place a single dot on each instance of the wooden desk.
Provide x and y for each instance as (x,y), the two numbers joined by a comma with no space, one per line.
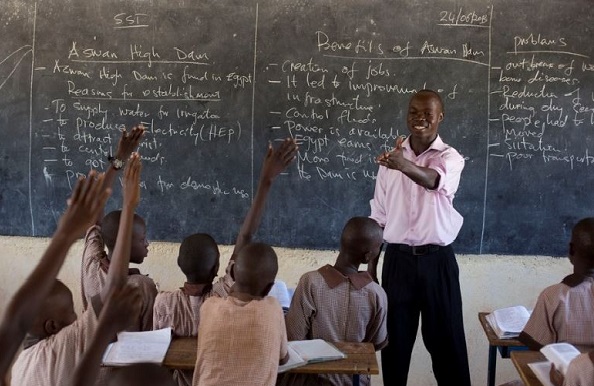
(521,359)
(504,346)
(360,359)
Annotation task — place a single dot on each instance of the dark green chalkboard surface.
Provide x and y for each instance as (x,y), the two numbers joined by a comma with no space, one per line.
(214,81)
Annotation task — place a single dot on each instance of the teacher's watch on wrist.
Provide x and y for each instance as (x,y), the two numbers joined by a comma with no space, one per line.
(116,163)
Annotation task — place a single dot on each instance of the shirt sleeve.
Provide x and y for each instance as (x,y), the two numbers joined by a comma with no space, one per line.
(540,325)
(580,371)
(298,318)
(161,318)
(92,253)
(377,332)
(449,166)
(284,349)
(222,287)
(377,204)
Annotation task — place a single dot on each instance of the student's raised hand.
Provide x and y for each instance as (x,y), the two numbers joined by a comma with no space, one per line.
(122,308)
(278,159)
(129,142)
(132,181)
(87,199)
(393,159)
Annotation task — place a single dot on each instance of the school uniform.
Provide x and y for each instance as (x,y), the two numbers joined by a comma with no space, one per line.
(94,268)
(239,342)
(564,312)
(580,371)
(51,361)
(337,308)
(180,310)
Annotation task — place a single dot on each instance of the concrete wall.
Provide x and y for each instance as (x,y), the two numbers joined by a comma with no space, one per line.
(488,282)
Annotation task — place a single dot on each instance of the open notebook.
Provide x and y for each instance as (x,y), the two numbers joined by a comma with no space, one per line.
(138,347)
(302,352)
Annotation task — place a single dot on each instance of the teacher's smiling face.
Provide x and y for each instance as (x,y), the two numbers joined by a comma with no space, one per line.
(425,112)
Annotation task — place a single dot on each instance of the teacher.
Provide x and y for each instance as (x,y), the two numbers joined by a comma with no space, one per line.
(413,202)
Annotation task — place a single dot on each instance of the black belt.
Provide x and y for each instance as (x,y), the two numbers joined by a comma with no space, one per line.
(418,250)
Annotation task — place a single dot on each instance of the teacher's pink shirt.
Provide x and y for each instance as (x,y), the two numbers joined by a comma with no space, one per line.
(411,214)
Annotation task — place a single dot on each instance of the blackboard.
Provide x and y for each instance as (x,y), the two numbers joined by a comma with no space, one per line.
(215,81)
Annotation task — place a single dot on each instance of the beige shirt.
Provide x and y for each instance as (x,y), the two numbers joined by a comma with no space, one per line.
(328,305)
(240,343)
(93,276)
(564,312)
(580,371)
(51,361)
(180,310)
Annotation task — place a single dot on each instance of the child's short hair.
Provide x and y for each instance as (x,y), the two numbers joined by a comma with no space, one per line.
(582,238)
(256,266)
(198,257)
(359,233)
(110,225)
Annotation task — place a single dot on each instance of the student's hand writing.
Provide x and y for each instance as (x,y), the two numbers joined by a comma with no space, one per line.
(278,159)
(129,141)
(122,308)
(556,376)
(132,181)
(393,159)
(87,199)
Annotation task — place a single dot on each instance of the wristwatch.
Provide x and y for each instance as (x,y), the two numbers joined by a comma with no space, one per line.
(116,163)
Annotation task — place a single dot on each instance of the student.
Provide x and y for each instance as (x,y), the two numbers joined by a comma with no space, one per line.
(564,312)
(87,199)
(57,339)
(579,373)
(117,315)
(199,260)
(95,262)
(413,201)
(340,304)
(242,338)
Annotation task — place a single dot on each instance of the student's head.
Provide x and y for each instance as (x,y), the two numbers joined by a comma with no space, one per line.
(425,113)
(142,374)
(581,246)
(361,240)
(56,312)
(199,258)
(255,269)
(109,232)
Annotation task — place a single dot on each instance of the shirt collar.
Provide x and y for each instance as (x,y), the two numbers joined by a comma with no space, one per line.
(334,277)
(190,289)
(437,144)
(575,279)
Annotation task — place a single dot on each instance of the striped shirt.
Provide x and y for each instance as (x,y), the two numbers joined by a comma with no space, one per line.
(328,305)
(564,312)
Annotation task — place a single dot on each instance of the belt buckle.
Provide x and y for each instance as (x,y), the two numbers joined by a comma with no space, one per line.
(419,250)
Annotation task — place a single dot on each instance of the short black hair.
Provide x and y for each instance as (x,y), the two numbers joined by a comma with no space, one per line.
(434,93)
(198,256)
(110,226)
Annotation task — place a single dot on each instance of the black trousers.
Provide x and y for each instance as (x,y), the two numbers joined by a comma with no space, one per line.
(426,286)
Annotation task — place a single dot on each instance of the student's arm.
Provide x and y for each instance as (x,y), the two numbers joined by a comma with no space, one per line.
(118,267)
(274,163)
(86,200)
(120,311)
(128,143)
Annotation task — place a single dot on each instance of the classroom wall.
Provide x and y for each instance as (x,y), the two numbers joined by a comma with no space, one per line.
(487,282)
